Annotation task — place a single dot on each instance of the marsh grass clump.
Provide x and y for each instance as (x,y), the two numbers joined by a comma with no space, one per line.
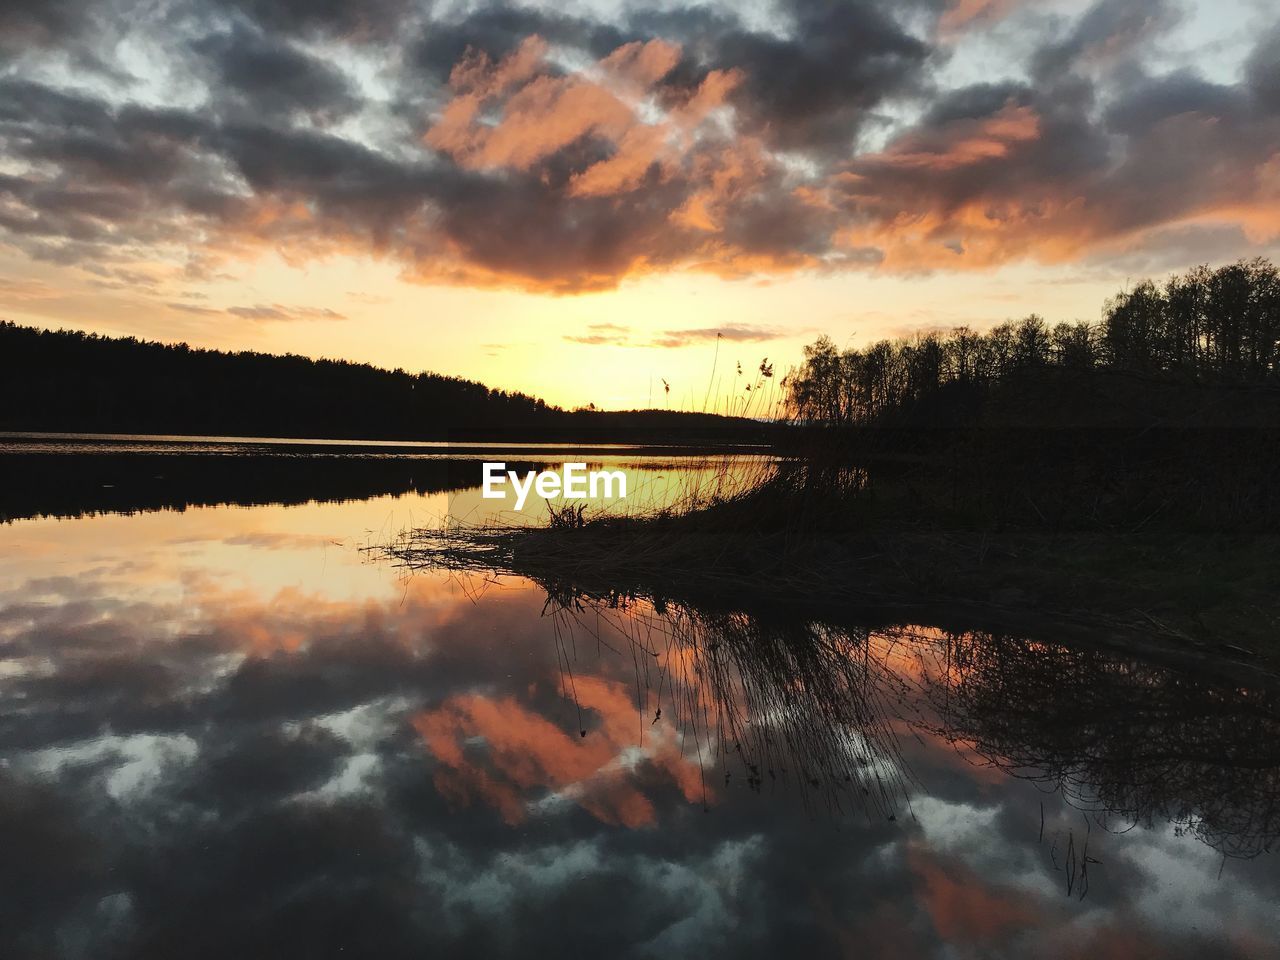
(1126,740)
(813,534)
(762,704)
(766,699)
(1119,473)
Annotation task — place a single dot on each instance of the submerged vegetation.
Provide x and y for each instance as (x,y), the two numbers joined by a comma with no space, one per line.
(831,707)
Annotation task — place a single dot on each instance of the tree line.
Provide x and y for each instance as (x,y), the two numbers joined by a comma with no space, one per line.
(68,380)
(1208,327)
(81,382)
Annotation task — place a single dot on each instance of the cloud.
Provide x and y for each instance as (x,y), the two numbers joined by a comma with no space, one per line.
(561,152)
(1262,70)
(963,14)
(277,311)
(266,76)
(813,87)
(24,291)
(964,910)
(261,312)
(194,309)
(370,20)
(1106,34)
(525,752)
(962,142)
(486,822)
(997,173)
(733,333)
(600,334)
(612,334)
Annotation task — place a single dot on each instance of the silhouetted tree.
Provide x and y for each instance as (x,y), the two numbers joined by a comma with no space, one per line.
(1212,326)
(72,381)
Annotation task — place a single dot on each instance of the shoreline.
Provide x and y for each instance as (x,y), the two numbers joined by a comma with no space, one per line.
(1160,595)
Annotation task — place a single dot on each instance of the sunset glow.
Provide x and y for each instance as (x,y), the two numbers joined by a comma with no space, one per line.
(639,478)
(583,202)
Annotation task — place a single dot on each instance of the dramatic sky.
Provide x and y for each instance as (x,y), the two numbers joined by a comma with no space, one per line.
(574,198)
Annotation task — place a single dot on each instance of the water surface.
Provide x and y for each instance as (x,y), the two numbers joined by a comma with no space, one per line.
(227,731)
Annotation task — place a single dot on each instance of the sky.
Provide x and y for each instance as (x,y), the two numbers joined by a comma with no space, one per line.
(585,201)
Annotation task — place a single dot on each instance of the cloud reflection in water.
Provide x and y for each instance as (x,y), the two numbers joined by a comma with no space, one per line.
(223,737)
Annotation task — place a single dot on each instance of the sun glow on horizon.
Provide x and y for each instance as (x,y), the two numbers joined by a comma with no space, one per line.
(613,348)
(591,220)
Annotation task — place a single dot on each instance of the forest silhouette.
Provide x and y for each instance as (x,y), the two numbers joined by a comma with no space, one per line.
(70,381)
(1201,350)
(1158,350)
(1163,413)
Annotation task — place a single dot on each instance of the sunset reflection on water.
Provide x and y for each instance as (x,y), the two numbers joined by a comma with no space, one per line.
(227,731)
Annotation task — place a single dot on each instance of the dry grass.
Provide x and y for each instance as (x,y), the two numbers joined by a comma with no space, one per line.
(816,535)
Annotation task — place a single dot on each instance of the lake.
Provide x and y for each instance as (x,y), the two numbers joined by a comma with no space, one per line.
(228,729)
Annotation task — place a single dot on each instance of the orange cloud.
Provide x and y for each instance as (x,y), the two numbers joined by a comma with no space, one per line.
(642,63)
(525,753)
(963,142)
(286,622)
(964,13)
(557,167)
(637,150)
(963,908)
(539,114)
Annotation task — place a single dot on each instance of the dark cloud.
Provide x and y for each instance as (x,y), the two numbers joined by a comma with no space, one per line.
(27,105)
(1106,34)
(514,146)
(814,86)
(268,77)
(1263,71)
(497,30)
(1152,101)
(44,23)
(367,21)
(994,168)
(515,226)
